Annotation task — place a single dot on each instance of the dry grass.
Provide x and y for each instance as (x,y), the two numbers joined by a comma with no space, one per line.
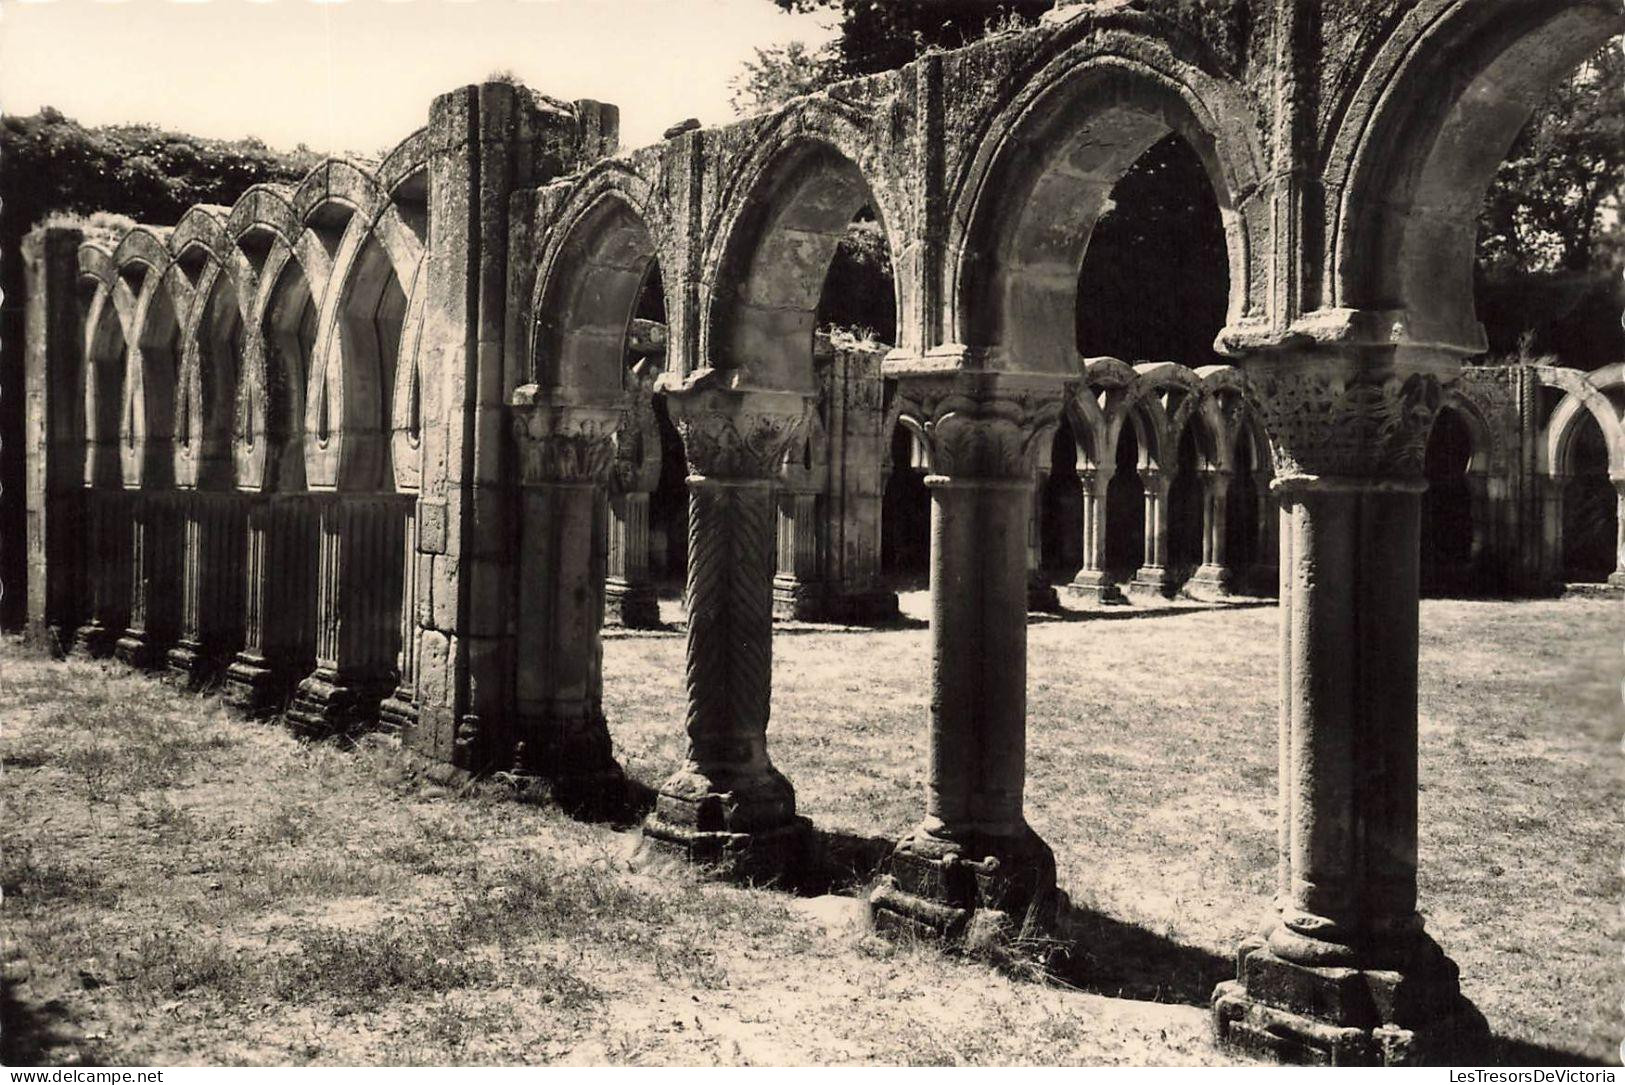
(185,887)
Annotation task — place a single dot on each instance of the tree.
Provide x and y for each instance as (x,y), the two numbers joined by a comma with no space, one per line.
(1554,202)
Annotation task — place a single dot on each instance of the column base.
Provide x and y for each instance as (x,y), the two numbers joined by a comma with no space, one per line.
(573,753)
(188,664)
(93,640)
(328,703)
(1333,1016)
(255,686)
(1153,580)
(1097,585)
(138,649)
(1214,580)
(1041,595)
(803,601)
(748,828)
(945,890)
(631,606)
(1616,580)
(397,712)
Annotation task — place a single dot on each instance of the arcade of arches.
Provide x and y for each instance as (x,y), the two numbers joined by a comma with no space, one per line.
(391,444)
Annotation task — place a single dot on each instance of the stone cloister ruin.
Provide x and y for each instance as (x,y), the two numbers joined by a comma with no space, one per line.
(383,446)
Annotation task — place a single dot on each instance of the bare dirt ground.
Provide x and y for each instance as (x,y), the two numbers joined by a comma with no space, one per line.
(182,886)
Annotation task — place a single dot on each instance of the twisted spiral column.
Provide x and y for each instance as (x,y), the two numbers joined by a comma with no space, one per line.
(728,802)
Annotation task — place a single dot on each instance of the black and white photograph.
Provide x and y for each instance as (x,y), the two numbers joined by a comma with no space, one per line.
(811,533)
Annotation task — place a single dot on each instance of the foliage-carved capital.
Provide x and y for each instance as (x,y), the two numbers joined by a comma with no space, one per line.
(1325,422)
(561,439)
(731,431)
(985,425)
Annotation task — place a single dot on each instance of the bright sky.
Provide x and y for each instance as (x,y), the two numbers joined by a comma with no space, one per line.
(358,74)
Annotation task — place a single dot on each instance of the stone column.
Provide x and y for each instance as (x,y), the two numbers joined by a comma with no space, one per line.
(974,859)
(1152,577)
(1617,577)
(213,527)
(53,439)
(728,803)
(1041,594)
(565,452)
(155,545)
(399,711)
(798,582)
(1215,574)
(1550,489)
(629,591)
(279,587)
(108,570)
(358,613)
(1092,579)
(1345,973)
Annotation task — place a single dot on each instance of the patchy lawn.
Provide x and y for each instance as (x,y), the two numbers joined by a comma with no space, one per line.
(185,887)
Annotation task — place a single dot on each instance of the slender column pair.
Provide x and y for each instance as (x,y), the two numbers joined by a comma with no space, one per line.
(728,803)
(214,527)
(1092,578)
(973,863)
(358,612)
(1153,576)
(1345,972)
(1215,573)
(566,447)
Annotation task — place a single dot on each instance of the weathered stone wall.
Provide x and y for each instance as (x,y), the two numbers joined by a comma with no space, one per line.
(387,415)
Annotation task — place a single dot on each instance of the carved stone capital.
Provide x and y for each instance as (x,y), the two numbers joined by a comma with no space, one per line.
(730,431)
(562,438)
(1329,421)
(982,425)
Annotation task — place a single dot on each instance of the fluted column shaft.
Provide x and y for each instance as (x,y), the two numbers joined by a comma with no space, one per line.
(974,852)
(358,611)
(108,572)
(155,550)
(565,450)
(798,581)
(279,595)
(1348,446)
(629,591)
(399,711)
(214,542)
(728,802)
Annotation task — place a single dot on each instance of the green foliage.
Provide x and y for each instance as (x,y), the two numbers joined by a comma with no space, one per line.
(859,295)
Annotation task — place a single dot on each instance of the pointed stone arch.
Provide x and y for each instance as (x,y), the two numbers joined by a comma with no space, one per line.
(1023,210)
